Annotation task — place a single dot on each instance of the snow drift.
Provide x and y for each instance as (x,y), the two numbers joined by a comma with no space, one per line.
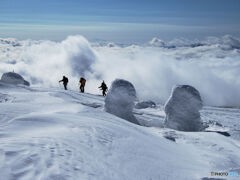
(211,65)
(120,100)
(182,109)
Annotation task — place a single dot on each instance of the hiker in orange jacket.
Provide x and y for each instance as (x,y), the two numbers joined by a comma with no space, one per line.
(82,82)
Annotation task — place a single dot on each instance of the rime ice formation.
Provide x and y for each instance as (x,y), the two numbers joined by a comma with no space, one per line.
(182,109)
(14,78)
(120,100)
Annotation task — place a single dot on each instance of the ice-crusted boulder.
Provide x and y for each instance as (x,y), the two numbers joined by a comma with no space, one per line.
(145,104)
(120,100)
(182,109)
(14,78)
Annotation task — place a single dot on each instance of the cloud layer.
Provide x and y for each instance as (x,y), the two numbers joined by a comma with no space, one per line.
(212,65)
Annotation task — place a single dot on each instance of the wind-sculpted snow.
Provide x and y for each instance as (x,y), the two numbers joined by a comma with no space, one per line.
(182,109)
(211,65)
(120,100)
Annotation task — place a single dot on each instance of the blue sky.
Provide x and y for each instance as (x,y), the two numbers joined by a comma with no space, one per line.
(122,20)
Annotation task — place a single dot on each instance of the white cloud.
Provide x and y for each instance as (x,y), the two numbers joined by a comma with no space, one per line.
(212,66)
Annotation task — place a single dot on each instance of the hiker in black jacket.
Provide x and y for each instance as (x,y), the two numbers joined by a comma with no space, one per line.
(65,82)
(104,88)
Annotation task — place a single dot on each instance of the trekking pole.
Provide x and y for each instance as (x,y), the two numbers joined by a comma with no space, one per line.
(59,85)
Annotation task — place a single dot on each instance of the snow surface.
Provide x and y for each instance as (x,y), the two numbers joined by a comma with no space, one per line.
(49,133)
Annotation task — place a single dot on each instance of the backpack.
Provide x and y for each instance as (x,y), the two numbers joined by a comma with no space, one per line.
(82,81)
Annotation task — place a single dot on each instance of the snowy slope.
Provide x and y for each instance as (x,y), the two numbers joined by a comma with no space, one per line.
(57,134)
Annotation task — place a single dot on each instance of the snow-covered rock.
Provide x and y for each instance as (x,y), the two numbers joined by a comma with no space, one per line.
(182,109)
(120,100)
(145,104)
(14,78)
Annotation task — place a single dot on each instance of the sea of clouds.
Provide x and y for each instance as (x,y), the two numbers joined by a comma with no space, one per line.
(211,65)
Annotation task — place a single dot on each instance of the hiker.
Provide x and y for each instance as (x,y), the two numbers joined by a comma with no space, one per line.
(65,82)
(104,88)
(82,82)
